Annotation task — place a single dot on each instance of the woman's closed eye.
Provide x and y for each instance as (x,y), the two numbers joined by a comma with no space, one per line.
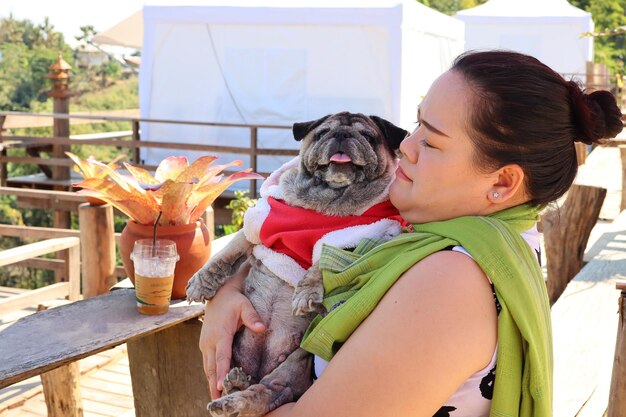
(426,144)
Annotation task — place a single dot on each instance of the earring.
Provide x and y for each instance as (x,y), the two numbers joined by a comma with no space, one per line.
(495,195)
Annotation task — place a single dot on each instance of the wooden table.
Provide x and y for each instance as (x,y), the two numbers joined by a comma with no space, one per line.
(165,362)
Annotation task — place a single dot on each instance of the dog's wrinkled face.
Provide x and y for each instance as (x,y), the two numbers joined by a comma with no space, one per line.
(347,148)
(347,160)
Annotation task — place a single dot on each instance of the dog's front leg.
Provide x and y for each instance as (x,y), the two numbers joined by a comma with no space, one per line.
(309,292)
(284,384)
(204,284)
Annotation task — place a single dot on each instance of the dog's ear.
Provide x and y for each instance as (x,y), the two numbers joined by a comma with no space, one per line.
(393,134)
(301,129)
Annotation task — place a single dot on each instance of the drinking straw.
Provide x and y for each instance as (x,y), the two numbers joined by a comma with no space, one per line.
(154,235)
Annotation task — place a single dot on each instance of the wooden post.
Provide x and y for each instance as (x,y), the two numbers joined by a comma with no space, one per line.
(61,391)
(136,139)
(254,132)
(617,396)
(622,153)
(167,373)
(3,152)
(61,387)
(97,238)
(566,232)
(209,220)
(59,74)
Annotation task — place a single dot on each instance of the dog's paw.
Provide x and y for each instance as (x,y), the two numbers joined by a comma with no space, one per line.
(307,299)
(195,290)
(253,402)
(236,380)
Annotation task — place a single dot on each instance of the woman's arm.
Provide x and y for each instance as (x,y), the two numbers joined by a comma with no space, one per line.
(223,316)
(433,329)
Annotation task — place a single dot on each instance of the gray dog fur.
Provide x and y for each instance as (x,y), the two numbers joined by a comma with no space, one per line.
(271,369)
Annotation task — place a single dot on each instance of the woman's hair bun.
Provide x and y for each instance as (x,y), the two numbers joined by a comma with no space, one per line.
(597,115)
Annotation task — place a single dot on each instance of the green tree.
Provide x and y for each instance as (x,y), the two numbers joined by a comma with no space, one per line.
(450,7)
(27,52)
(607,15)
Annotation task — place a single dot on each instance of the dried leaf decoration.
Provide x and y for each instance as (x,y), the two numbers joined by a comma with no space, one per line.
(180,191)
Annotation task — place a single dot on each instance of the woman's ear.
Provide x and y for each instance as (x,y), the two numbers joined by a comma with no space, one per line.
(508,186)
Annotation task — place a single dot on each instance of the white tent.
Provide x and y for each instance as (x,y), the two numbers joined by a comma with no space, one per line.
(550,30)
(127,33)
(279,61)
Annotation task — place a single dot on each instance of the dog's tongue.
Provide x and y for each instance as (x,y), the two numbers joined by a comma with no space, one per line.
(340,158)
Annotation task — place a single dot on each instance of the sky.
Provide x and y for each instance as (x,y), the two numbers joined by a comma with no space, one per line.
(67,16)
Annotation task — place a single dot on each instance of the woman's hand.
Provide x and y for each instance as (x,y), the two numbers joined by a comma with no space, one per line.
(223,316)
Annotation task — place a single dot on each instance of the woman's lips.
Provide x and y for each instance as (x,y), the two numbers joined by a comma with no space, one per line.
(400,174)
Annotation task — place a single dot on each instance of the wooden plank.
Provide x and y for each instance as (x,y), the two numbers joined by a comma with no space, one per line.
(103,135)
(107,116)
(32,232)
(117,388)
(104,408)
(32,203)
(97,394)
(32,250)
(37,161)
(167,372)
(80,329)
(584,320)
(10,291)
(617,396)
(73,272)
(26,141)
(15,395)
(42,263)
(55,197)
(19,120)
(34,297)
(114,377)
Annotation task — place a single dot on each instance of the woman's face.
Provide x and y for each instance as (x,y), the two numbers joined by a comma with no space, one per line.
(437,178)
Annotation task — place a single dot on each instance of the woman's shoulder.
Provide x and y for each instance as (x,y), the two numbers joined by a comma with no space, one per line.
(458,299)
(448,271)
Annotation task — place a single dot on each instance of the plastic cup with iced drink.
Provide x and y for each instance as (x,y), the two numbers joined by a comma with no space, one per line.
(154,274)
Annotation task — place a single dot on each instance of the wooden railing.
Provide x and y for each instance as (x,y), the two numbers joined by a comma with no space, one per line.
(122,141)
(69,289)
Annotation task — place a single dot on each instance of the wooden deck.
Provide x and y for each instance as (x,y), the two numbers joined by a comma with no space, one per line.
(105,381)
(104,385)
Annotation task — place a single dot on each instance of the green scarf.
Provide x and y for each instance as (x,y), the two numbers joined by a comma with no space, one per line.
(354,283)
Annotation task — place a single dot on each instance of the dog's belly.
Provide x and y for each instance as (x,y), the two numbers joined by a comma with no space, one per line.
(259,354)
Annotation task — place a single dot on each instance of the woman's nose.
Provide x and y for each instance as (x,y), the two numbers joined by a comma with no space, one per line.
(409,148)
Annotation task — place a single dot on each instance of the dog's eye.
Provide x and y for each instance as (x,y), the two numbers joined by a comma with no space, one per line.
(371,138)
(321,133)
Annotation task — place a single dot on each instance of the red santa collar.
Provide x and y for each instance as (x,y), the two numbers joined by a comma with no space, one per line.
(294,231)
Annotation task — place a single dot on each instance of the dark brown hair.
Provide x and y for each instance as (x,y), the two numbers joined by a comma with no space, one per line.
(525,113)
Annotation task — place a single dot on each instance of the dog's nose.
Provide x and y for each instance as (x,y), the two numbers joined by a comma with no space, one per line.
(345,135)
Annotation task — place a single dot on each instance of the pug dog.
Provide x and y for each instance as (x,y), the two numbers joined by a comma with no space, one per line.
(335,192)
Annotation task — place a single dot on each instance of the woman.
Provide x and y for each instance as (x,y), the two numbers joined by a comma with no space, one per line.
(495,142)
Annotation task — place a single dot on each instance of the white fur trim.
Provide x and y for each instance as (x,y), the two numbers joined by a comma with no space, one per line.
(351,236)
(280,264)
(271,186)
(253,219)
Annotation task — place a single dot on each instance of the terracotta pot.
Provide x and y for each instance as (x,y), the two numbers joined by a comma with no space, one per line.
(192,243)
